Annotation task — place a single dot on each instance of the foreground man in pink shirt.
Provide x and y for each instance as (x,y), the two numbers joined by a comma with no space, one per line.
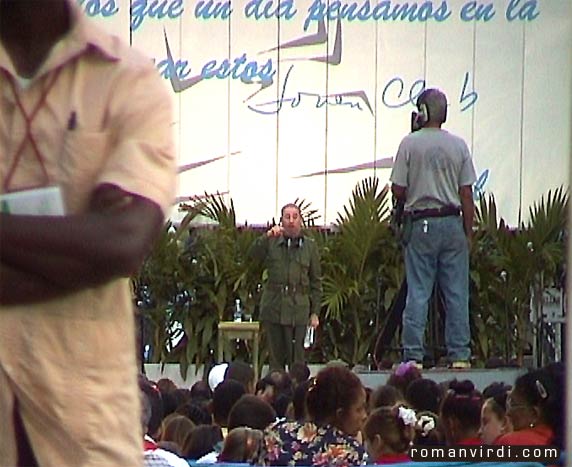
(87,173)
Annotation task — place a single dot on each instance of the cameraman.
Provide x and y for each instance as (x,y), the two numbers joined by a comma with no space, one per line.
(433,174)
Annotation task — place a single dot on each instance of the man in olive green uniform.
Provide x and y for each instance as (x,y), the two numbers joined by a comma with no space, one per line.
(292,294)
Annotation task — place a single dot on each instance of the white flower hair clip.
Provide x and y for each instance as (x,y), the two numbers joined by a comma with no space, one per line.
(425,425)
(407,416)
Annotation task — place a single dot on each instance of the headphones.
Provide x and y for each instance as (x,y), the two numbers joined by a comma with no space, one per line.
(420,118)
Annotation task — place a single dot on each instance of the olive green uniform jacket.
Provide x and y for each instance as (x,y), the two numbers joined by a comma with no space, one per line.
(293,290)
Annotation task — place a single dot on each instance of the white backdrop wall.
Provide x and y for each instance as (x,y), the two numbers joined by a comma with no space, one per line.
(277,100)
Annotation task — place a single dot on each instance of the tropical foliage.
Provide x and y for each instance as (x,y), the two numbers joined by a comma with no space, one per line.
(196,272)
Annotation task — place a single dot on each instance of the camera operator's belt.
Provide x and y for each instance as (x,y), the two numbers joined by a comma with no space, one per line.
(434,212)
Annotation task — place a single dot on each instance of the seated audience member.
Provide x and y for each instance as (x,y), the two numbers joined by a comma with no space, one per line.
(216,375)
(201,391)
(535,408)
(299,372)
(252,412)
(154,455)
(428,431)
(385,396)
(424,394)
(197,412)
(277,389)
(243,445)
(175,429)
(494,420)
(181,396)
(153,394)
(461,414)
(243,373)
(166,385)
(388,434)
(403,375)
(226,394)
(297,410)
(336,406)
(203,443)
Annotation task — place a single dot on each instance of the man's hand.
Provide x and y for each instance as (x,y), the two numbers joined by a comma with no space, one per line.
(275,231)
(314,320)
(69,253)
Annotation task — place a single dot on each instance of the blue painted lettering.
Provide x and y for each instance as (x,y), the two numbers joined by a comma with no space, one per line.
(239,70)
(472,11)
(392,95)
(527,12)
(223,70)
(181,68)
(382,11)
(470,96)
(208,69)
(209,9)
(283,9)
(96,7)
(294,101)
(479,186)
(157,9)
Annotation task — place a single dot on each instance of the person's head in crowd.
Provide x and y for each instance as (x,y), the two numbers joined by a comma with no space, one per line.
(251,411)
(389,431)
(242,445)
(197,412)
(403,375)
(385,396)
(153,394)
(216,375)
(494,420)
(176,428)
(299,372)
(298,406)
(243,373)
(145,411)
(424,394)
(203,440)
(201,391)
(182,396)
(428,430)
(166,385)
(225,395)
(461,413)
(337,397)
(537,402)
(276,388)
(170,403)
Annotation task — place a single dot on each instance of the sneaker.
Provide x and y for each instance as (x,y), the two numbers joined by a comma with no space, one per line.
(460,365)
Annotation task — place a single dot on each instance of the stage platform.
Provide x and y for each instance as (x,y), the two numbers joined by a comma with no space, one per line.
(480,377)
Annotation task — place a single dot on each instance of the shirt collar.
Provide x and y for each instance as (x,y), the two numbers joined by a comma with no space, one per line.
(83,36)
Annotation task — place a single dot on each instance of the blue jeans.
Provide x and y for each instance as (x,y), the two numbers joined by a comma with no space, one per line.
(437,251)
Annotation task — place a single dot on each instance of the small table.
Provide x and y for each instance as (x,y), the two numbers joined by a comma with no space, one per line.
(247,330)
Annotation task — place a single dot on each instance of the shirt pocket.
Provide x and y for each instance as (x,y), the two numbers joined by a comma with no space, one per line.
(83,158)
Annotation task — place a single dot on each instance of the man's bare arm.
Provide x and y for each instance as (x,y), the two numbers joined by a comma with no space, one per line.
(74,252)
(399,192)
(468,209)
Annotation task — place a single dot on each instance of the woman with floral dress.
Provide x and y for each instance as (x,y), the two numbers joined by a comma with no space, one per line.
(336,406)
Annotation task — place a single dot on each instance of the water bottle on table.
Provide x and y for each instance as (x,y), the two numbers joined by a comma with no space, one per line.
(237,316)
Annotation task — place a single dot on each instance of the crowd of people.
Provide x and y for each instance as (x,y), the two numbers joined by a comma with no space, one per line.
(290,418)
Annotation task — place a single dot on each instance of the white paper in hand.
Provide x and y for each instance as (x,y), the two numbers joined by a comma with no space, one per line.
(46,201)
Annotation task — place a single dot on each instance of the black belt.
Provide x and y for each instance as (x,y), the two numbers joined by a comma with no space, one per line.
(434,212)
